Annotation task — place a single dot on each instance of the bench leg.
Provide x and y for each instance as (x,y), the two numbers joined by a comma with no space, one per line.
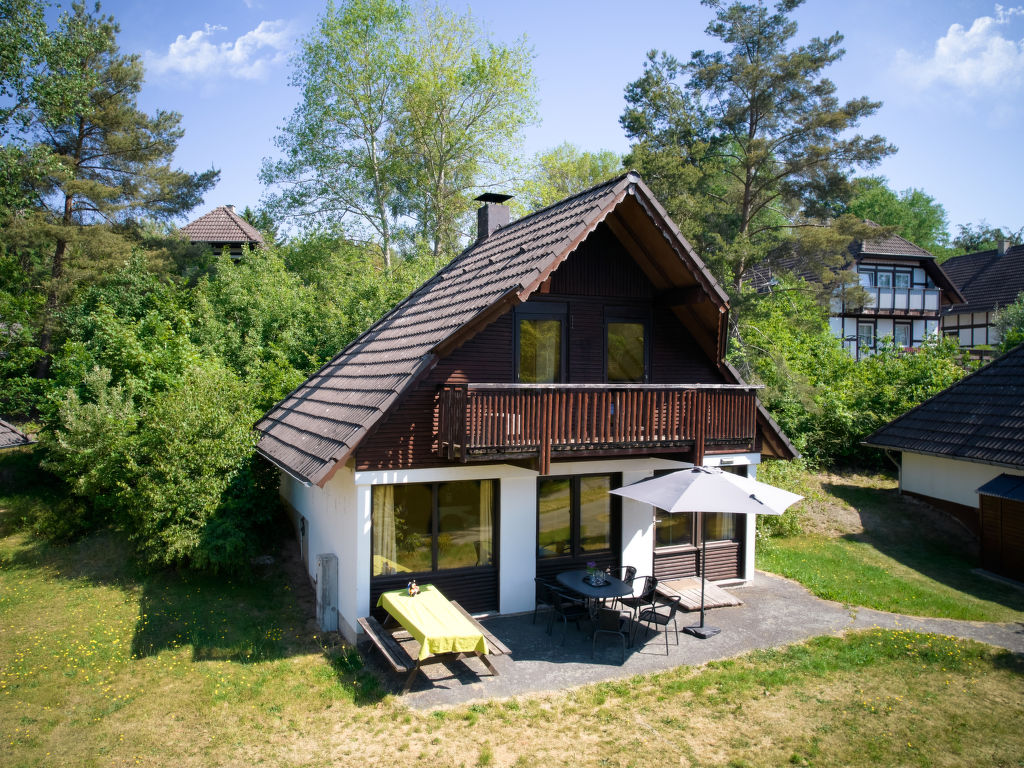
(487,663)
(410,678)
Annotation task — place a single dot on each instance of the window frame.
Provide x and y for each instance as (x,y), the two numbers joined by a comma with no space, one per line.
(627,315)
(615,523)
(553,310)
(910,334)
(435,527)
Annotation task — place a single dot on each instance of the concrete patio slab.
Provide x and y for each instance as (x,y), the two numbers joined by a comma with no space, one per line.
(776,612)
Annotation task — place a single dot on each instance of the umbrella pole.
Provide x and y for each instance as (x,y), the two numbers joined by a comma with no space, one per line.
(700,630)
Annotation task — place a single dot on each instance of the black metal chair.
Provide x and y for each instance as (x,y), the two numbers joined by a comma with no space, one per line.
(567,609)
(652,616)
(645,599)
(543,595)
(628,574)
(610,621)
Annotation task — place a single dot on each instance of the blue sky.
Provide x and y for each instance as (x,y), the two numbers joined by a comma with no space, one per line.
(950,74)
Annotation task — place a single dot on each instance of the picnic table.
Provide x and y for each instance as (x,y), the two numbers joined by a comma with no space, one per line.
(444,630)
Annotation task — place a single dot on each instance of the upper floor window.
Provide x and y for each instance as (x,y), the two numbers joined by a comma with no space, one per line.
(626,348)
(540,343)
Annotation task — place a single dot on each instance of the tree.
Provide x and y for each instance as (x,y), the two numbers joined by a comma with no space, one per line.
(1010,324)
(754,133)
(399,118)
(109,160)
(562,171)
(915,214)
(467,102)
(342,160)
(981,237)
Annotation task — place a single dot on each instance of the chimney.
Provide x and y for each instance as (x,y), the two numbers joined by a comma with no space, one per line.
(492,215)
(230,208)
(1001,246)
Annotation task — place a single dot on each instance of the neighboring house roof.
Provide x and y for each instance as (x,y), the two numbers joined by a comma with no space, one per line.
(1005,487)
(980,418)
(11,436)
(319,425)
(220,226)
(987,280)
(887,247)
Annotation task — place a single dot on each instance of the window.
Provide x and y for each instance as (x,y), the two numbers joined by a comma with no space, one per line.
(901,335)
(884,279)
(673,530)
(422,527)
(865,335)
(719,526)
(902,278)
(627,351)
(576,516)
(540,343)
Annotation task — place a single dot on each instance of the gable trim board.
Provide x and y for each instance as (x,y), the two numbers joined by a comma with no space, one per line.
(318,426)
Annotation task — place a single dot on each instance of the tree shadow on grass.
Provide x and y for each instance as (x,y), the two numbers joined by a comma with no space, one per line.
(924,539)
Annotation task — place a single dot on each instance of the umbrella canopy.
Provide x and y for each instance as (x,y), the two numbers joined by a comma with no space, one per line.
(709,489)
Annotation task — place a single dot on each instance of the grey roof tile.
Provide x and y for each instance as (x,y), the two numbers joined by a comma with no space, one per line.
(222,225)
(980,418)
(987,280)
(11,436)
(323,420)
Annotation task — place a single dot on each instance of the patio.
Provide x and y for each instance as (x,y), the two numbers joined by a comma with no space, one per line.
(775,612)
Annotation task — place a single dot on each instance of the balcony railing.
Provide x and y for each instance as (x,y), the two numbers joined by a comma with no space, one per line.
(489,422)
(901,300)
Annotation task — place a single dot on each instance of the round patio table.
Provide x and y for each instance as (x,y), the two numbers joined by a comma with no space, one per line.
(578,583)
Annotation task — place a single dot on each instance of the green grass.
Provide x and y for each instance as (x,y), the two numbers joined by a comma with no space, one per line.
(870,547)
(104,665)
(858,573)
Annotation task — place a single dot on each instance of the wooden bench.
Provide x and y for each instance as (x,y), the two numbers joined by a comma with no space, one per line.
(402,661)
(389,648)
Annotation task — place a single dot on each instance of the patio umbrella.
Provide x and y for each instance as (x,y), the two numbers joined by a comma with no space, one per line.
(709,489)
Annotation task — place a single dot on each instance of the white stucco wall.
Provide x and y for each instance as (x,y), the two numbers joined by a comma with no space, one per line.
(949,479)
(334,521)
(338,519)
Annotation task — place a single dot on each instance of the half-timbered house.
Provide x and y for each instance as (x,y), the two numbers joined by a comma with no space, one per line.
(471,436)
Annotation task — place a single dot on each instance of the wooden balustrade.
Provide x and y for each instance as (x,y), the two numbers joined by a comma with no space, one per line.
(500,421)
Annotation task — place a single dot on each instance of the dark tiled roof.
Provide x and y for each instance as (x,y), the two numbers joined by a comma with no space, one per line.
(980,418)
(222,225)
(986,279)
(322,421)
(891,245)
(11,436)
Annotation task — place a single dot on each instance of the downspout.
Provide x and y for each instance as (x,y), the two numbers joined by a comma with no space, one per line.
(899,468)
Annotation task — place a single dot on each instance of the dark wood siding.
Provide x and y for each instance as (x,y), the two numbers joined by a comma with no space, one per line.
(476,589)
(599,277)
(724,562)
(1002,536)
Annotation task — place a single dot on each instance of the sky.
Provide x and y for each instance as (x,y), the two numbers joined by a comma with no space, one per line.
(950,74)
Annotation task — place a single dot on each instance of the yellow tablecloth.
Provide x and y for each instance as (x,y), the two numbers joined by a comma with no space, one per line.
(433,621)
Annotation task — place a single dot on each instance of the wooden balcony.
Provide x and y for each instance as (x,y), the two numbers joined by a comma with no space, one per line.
(494,422)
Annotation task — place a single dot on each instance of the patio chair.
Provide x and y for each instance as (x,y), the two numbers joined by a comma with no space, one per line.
(610,621)
(567,609)
(627,573)
(652,616)
(645,599)
(543,595)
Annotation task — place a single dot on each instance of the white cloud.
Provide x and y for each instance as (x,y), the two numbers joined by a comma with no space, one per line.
(249,57)
(974,60)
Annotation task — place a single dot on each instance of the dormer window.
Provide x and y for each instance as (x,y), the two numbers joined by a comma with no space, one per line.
(540,343)
(626,348)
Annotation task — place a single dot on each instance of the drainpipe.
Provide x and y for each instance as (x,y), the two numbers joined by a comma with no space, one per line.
(899,469)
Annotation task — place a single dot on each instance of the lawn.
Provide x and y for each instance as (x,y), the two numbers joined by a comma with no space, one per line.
(865,545)
(101,665)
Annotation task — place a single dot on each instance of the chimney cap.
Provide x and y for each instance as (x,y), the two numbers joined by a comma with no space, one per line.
(493,197)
